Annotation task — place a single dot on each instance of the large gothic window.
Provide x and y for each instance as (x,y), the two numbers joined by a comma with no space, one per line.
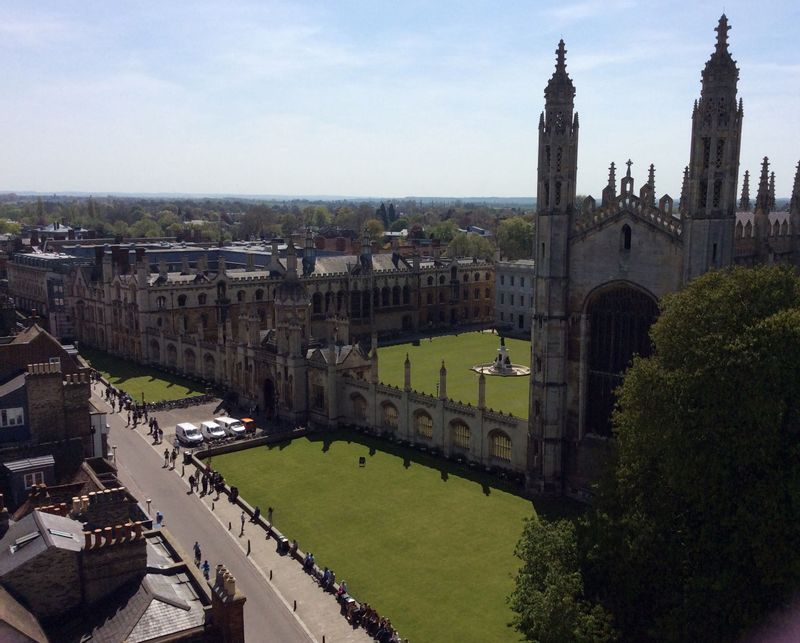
(619,323)
(423,425)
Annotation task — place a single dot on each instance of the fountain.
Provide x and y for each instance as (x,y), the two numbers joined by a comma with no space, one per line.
(502,364)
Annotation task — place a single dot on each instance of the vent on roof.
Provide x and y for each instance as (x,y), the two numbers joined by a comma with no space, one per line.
(63,534)
(20,542)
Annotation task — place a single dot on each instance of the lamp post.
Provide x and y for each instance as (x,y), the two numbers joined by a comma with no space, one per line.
(114,453)
(148,501)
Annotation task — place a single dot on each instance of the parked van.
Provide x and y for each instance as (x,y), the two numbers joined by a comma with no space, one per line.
(188,434)
(212,430)
(249,425)
(231,426)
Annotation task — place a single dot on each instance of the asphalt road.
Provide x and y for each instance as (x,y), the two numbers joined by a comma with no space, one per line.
(266,617)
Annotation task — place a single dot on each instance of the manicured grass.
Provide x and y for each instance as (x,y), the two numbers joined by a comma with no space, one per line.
(136,379)
(460,353)
(424,541)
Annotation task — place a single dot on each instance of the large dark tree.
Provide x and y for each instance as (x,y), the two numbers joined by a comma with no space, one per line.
(695,535)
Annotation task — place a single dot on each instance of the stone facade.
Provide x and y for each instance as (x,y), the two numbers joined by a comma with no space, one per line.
(514,296)
(602,267)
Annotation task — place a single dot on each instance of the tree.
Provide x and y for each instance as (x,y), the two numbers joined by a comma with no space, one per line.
(548,598)
(399,224)
(445,231)
(374,229)
(9,227)
(694,534)
(515,238)
(470,245)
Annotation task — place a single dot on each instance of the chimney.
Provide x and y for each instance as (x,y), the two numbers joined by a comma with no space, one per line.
(227,607)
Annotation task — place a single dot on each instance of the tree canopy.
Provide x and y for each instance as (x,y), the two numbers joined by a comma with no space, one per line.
(693,534)
(515,238)
(470,245)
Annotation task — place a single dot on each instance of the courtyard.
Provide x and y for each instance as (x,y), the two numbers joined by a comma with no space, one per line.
(426,542)
(141,382)
(460,352)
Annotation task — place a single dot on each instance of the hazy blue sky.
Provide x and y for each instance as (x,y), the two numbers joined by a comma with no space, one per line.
(371,97)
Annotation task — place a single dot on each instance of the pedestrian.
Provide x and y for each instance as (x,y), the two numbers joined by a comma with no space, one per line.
(206,569)
(159,519)
(191,483)
(129,419)
(256,514)
(204,483)
(166,458)
(174,456)
(243,518)
(269,515)
(197,554)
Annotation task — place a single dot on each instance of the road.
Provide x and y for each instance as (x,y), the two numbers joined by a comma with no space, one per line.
(266,617)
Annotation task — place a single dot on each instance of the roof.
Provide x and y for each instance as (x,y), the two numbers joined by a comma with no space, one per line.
(142,610)
(12,385)
(30,463)
(18,618)
(35,534)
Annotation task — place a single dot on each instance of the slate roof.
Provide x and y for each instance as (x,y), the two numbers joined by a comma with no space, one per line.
(19,619)
(34,534)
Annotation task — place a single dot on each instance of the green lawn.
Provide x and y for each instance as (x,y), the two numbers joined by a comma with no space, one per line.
(460,353)
(136,379)
(425,542)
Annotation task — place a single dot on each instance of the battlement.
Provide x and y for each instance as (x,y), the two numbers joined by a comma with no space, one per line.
(115,535)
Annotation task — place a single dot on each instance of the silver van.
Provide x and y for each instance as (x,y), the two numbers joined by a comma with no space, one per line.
(231,426)
(212,430)
(188,434)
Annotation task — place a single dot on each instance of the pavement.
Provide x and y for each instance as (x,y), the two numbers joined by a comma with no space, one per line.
(284,604)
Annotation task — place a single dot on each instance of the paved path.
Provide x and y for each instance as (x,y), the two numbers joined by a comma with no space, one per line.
(269,611)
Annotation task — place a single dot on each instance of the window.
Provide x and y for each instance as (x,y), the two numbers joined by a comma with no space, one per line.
(512,299)
(512,280)
(259,295)
(502,298)
(318,397)
(430,281)
(201,299)
(477,293)
(488,293)
(36,477)
(11,417)
(441,279)
(390,416)
(161,303)
(626,237)
(423,425)
(502,280)
(460,434)
(430,298)
(181,300)
(500,446)
(240,295)
(522,282)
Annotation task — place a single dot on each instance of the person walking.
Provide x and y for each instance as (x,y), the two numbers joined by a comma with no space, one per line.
(243,519)
(197,554)
(191,483)
(206,569)
(174,456)
(166,458)
(204,483)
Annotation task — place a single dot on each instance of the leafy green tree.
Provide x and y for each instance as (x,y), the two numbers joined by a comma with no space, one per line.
(548,602)
(515,238)
(470,245)
(445,231)
(374,229)
(9,227)
(694,535)
(398,225)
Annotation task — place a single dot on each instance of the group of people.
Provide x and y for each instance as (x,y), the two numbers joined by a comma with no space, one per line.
(379,627)
(155,431)
(198,556)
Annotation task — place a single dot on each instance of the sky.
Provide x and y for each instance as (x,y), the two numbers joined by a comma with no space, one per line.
(373,98)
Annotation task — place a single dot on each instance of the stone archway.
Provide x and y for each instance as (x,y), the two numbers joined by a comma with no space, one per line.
(619,319)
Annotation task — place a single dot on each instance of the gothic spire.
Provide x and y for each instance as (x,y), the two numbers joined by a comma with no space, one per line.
(683,206)
(560,87)
(771,200)
(762,198)
(744,202)
(651,177)
(794,203)
(612,176)
(720,70)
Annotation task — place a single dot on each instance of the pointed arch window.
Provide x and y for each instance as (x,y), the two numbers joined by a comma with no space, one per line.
(625,238)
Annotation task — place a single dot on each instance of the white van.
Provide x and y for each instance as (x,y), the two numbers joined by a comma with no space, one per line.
(212,430)
(231,426)
(188,434)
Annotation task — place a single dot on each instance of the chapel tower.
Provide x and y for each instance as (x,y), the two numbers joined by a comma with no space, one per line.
(714,164)
(555,198)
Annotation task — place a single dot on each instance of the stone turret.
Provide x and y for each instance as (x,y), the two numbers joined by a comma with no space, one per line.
(443,382)
(744,202)
(407,374)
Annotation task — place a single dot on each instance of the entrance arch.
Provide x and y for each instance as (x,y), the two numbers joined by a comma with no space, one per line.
(619,319)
